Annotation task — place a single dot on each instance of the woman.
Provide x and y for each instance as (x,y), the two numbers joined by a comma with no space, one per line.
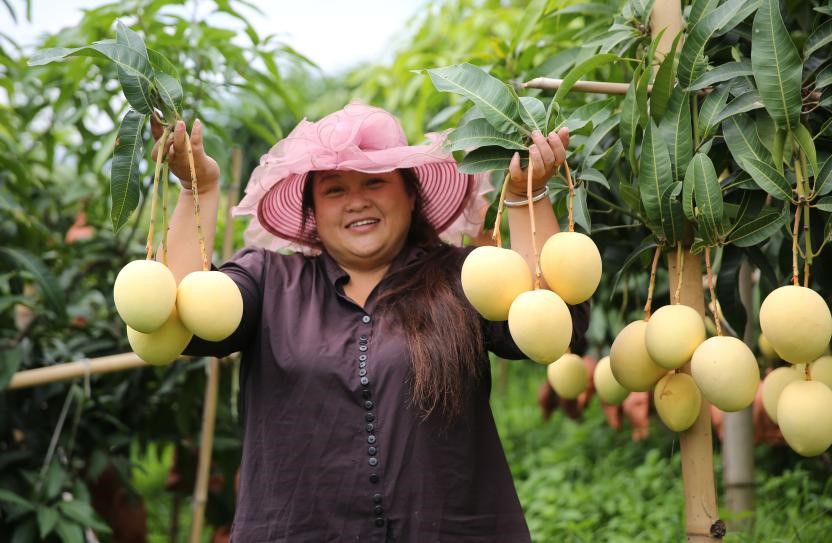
(365,375)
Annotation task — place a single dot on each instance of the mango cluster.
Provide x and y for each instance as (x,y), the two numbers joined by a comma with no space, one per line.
(500,286)
(162,318)
(796,327)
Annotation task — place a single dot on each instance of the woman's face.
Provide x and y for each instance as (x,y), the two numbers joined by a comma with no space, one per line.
(362,219)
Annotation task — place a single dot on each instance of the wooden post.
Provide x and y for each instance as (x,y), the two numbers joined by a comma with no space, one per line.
(73,370)
(209,409)
(702,522)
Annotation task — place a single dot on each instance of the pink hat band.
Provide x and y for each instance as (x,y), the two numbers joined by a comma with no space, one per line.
(358,138)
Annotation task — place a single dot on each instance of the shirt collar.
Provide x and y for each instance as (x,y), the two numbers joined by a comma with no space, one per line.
(336,274)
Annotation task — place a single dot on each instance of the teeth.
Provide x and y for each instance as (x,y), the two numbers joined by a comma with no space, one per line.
(362,223)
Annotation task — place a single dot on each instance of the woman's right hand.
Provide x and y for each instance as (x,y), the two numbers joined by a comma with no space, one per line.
(207,169)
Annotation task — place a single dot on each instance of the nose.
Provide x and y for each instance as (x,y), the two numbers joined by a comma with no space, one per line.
(357,200)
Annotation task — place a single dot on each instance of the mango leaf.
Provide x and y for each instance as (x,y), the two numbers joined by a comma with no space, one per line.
(125,170)
(531,15)
(724,72)
(747,9)
(485,159)
(134,70)
(757,229)
(823,181)
(70,533)
(7,496)
(654,176)
(645,245)
(745,102)
(688,191)
(807,145)
(578,71)
(777,66)
(675,130)
(769,179)
(583,115)
(698,37)
(580,210)
(824,77)
(597,135)
(51,291)
(533,113)
(750,206)
(663,83)
(83,514)
(698,9)
(821,37)
(170,91)
(480,133)
(498,104)
(708,197)
(593,175)
(727,287)
(629,195)
(777,148)
(672,213)
(713,104)
(825,204)
(628,124)
(47,519)
(742,140)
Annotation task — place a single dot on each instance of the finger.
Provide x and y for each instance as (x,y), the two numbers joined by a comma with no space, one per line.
(179,137)
(563,134)
(545,151)
(196,135)
(514,168)
(556,146)
(155,150)
(536,161)
(156,127)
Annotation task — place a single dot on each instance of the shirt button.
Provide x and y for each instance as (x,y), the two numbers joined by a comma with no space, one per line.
(365,319)
(362,357)
(377,498)
(362,338)
(369,417)
(373,461)
(372,451)
(371,439)
(368,404)
(374,478)
(362,372)
(362,348)
(379,522)
(365,381)
(362,364)
(378,510)
(370,427)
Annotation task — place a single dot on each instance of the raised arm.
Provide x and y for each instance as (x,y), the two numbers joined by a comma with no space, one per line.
(546,156)
(183,242)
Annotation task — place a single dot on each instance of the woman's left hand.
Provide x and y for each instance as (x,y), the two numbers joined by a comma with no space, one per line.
(546,155)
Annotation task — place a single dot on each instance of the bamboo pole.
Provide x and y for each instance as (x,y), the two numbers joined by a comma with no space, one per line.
(209,409)
(600,87)
(73,370)
(702,522)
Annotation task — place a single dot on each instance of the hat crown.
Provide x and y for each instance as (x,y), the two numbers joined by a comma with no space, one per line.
(359,126)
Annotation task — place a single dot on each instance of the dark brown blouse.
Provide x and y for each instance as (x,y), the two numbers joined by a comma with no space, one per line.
(333,450)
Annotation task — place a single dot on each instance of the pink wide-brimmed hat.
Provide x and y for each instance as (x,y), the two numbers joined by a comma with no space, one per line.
(358,138)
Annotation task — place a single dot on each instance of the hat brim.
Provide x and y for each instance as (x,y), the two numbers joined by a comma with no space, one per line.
(445,193)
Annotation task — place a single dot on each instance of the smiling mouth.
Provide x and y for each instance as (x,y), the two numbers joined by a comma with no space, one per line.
(362,222)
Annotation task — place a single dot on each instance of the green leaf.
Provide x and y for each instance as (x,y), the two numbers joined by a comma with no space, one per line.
(672,213)
(533,113)
(742,140)
(759,228)
(724,72)
(7,496)
(807,145)
(590,174)
(645,245)
(769,179)
(825,204)
(694,46)
(698,9)
(26,532)
(578,71)
(125,170)
(663,84)
(480,133)
(780,135)
(675,130)
(170,91)
(745,102)
(708,197)
(47,519)
(54,480)
(688,190)
(777,66)
(713,104)
(70,533)
(727,287)
(824,78)
(654,175)
(820,37)
(493,98)
(823,181)
(531,16)
(83,514)
(597,135)
(53,295)
(10,359)
(485,159)
(585,114)
(628,124)
(580,210)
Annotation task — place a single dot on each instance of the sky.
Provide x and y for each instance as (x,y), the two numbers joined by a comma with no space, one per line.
(335,34)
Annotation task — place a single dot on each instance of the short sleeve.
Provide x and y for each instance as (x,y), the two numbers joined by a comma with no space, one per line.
(246,269)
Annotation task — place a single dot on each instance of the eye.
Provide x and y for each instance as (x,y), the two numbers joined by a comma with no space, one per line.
(332,190)
(376,181)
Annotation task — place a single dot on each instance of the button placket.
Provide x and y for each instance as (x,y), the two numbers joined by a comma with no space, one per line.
(369,418)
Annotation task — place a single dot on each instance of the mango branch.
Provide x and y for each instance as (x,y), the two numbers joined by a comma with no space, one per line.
(652,283)
(800,170)
(195,193)
(714,306)
(159,158)
(165,181)
(680,265)
(795,273)
(496,235)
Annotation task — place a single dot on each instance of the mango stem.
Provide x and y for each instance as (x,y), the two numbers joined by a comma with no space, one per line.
(680,267)
(571,196)
(533,226)
(497,235)
(714,306)
(648,307)
(195,193)
(159,158)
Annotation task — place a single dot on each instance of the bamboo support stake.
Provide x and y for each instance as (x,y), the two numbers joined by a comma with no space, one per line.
(209,409)
(73,370)
(600,87)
